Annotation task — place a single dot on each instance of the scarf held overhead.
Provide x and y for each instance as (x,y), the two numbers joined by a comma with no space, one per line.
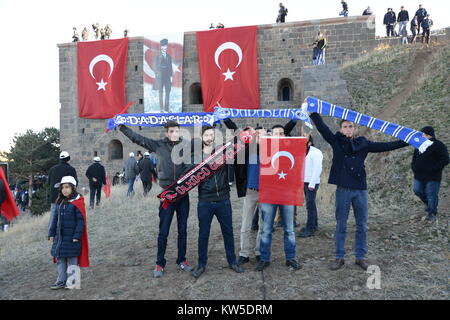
(410,136)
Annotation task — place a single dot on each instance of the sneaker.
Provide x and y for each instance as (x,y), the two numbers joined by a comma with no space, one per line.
(198,271)
(362,263)
(158,272)
(185,266)
(58,285)
(293,264)
(242,260)
(237,268)
(430,218)
(262,265)
(337,264)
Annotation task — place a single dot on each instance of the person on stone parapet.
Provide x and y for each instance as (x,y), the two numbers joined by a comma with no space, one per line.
(220,26)
(321,45)
(344,11)
(85,34)
(125,32)
(75,37)
(389,21)
(212,26)
(421,13)
(282,13)
(426,26)
(95,28)
(108,31)
(413,27)
(402,19)
(367,12)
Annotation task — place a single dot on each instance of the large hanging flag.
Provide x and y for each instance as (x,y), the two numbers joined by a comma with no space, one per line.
(282,167)
(8,208)
(101,77)
(229,68)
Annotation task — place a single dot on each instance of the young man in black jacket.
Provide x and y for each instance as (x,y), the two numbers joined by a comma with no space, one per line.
(97,179)
(389,20)
(402,19)
(214,200)
(427,168)
(349,174)
(55,174)
(168,171)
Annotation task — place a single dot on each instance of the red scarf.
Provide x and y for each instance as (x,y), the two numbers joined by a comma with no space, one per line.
(8,208)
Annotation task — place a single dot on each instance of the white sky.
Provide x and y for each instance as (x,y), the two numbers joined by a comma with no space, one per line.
(30,31)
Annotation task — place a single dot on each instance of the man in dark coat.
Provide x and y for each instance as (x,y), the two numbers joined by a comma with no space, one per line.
(421,13)
(282,13)
(163,75)
(55,174)
(168,172)
(427,168)
(402,19)
(389,20)
(348,173)
(146,171)
(97,179)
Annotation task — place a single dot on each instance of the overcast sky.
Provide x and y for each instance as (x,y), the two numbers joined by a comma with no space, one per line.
(31,30)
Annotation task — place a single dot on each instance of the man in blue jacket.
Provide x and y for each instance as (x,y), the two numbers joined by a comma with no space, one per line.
(389,21)
(421,13)
(348,173)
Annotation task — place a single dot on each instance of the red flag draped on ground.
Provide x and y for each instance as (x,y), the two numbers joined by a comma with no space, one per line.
(8,209)
(107,188)
(282,170)
(101,77)
(229,68)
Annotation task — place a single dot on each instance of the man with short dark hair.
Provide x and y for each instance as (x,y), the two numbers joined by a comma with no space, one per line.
(344,11)
(55,174)
(427,168)
(349,174)
(168,172)
(214,200)
(97,178)
(163,75)
(421,13)
(282,13)
(389,21)
(402,19)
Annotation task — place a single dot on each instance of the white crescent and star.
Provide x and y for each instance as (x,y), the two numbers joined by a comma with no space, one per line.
(97,59)
(224,46)
(280,154)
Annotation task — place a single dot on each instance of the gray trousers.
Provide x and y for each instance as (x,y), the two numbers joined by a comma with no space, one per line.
(250,205)
(62,264)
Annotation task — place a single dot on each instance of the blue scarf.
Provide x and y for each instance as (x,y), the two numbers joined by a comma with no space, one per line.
(410,136)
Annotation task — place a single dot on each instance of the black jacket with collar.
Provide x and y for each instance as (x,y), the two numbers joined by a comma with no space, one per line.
(348,169)
(428,166)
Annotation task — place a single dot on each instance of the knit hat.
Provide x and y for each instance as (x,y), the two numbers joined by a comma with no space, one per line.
(428,130)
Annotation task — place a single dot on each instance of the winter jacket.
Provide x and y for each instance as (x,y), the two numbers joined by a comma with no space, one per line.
(146,169)
(97,171)
(241,169)
(428,166)
(131,168)
(403,16)
(426,23)
(167,171)
(389,18)
(55,175)
(67,224)
(421,14)
(367,12)
(344,6)
(348,169)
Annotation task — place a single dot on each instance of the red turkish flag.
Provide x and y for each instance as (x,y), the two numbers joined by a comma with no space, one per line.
(282,170)
(107,187)
(229,68)
(8,208)
(101,77)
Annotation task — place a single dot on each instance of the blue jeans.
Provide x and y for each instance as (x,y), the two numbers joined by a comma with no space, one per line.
(130,191)
(428,192)
(223,212)
(310,199)
(165,219)
(320,58)
(358,199)
(268,212)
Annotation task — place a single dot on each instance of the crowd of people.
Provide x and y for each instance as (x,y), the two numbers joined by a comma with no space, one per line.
(99,33)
